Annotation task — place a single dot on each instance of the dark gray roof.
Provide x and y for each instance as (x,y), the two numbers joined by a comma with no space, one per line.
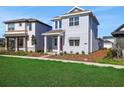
(117,32)
(106,37)
(25,20)
(107,41)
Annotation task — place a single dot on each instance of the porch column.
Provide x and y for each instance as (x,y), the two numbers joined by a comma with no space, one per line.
(6,43)
(16,44)
(45,44)
(25,43)
(58,44)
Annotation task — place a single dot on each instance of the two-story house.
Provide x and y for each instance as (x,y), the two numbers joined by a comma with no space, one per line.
(73,32)
(25,34)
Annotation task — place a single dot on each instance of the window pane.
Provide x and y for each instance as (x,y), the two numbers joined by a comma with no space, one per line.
(71,42)
(71,19)
(21,42)
(71,24)
(30,27)
(77,42)
(56,24)
(60,24)
(76,18)
(77,23)
(11,26)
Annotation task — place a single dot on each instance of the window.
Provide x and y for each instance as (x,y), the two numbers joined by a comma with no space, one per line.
(74,42)
(60,24)
(55,42)
(73,21)
(20,42)
(56,24)
(70,21)
(30,27)
(11,27)
(71,42)
(20,24)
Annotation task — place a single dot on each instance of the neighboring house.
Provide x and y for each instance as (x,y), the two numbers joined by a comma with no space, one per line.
(25,34)
(108,41)
(100,43)
(73,32)
(119,35)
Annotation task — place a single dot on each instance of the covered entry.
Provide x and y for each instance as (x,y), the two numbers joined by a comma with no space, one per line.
(57,40)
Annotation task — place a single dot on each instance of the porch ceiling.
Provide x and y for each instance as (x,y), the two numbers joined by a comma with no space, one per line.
(54,32)
(14,35)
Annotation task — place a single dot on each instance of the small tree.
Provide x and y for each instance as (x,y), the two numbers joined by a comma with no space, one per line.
(33,40)
(117,49)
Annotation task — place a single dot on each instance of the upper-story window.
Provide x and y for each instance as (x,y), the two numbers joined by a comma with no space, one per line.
(20,24)
(60,24)
(11,26)
(74,21)
(56,24)
(30,26)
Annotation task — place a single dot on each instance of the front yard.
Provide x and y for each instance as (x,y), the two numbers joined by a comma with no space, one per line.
(31,72)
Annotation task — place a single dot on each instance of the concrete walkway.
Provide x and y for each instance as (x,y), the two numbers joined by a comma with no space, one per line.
(69,61)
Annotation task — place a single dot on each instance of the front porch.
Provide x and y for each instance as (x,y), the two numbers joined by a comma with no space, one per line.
(16,43)
(56,41)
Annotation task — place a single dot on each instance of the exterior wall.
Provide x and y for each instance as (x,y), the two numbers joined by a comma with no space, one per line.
(17,27)
(93,35)
(30,47)
(80,31)
(108,45)
(41,28)
(110,39)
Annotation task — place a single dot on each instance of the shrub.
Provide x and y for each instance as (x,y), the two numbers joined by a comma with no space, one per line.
(38,51)
(83,53)
(77,53)
(21,53)
(61,53)
(65,52)
(111,53)
(71,52)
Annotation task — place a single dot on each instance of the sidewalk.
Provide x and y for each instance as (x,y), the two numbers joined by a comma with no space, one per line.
(69,61)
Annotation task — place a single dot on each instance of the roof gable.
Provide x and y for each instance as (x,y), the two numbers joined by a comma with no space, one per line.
(119,30)
(76,10)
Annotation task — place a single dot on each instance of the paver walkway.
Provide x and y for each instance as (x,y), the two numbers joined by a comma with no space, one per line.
(70,61)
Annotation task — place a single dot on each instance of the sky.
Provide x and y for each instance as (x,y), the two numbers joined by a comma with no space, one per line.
(109,17)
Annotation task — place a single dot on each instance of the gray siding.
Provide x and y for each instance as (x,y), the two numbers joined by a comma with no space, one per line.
(41,28)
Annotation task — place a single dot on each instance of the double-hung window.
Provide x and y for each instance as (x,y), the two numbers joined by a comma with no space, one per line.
(74,21)
(60,24)
(30,26)
(56,24)
(73,42)
(11,26)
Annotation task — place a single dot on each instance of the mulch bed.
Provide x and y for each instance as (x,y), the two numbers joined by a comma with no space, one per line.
(36,54)
(88,58)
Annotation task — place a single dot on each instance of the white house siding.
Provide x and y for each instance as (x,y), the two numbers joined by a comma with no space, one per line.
(93,35)
(17,27)
(41,28)
(80,31)
(30,47)
(108,45)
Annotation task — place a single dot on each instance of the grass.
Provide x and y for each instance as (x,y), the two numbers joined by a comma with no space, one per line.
(30,72)
(110,61)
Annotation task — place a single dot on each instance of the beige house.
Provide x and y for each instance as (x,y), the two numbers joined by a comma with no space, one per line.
(25,34)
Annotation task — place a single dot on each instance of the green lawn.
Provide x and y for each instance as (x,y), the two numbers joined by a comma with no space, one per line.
(110,61)
(29,72)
